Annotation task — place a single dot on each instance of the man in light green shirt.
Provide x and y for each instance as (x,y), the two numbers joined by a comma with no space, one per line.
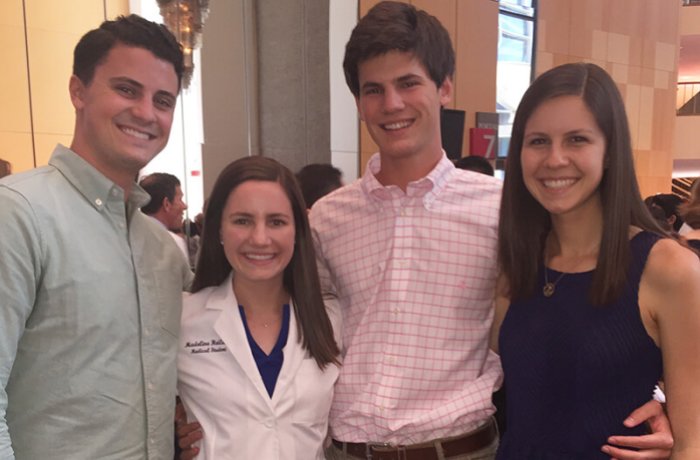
(90,288)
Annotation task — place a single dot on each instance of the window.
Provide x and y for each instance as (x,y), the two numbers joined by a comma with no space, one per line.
(516,38)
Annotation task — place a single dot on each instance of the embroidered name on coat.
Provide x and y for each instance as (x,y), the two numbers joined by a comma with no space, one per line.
(205,346)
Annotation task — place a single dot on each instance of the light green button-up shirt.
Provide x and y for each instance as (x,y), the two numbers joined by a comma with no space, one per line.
(90,299)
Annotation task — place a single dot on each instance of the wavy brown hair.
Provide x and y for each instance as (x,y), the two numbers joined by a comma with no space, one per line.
(524,223)
(397,26)
(132,30)
(300,278)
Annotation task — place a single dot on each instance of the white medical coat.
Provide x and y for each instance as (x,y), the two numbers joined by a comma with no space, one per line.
(220,386)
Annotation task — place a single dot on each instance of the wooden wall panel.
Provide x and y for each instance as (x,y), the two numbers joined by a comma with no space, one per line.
(16,147)
(15,122)
(476,47)
(50,63)
(40,67)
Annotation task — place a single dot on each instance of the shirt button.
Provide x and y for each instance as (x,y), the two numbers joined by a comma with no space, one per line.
(98,202)
(146,331)
(269,423)
(396,311)
(150,385)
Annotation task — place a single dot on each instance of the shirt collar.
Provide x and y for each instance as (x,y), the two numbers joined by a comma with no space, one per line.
(159,222)
(94,186)
(428,188)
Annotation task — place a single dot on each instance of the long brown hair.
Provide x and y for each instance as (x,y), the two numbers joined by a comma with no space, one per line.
(524,223)
(300,276)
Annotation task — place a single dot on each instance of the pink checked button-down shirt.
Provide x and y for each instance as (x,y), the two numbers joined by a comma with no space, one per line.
(414,274)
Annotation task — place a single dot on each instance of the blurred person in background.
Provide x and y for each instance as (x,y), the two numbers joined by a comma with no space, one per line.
(318,180)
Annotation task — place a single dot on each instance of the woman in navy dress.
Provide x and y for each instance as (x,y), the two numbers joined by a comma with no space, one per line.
(595,304)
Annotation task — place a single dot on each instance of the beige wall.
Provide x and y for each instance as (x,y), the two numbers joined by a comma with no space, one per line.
(473,27)
(637,42)
(36,110)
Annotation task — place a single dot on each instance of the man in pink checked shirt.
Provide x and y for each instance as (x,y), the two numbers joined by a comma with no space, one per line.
(409,252)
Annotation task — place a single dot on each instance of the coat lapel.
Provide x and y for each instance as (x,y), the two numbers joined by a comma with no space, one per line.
(229,327)
(294,354)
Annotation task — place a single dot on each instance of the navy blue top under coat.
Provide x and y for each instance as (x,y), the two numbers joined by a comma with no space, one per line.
(269,365)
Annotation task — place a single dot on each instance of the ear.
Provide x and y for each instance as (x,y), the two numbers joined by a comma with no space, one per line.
(76,89)
(166,204)
(445,91)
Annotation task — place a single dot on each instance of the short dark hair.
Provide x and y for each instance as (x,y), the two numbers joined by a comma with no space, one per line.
(301,274)
(159,186)
(525,223)
(670,203)
(658,213)
(318,180)
(132,30)
(395,26)
(475,163)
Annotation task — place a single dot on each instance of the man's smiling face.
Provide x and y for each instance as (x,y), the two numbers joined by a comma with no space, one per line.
(124,114)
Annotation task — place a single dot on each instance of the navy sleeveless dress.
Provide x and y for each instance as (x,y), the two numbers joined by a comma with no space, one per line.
(573,371)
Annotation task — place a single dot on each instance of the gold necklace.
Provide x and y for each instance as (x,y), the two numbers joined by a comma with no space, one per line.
(549,287)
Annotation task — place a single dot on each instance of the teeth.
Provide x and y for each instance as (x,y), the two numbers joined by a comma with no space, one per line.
(135,133)
(558,183)
(259,256)
(397,125)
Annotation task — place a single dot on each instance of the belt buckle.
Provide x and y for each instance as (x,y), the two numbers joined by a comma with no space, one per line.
(400,449)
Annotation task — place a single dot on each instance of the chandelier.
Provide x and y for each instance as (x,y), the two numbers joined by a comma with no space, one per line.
(185,18)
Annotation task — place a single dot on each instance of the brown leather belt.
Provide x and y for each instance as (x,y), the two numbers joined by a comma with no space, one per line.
(471,442)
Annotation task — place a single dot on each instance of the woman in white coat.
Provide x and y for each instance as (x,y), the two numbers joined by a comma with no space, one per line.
(257,359)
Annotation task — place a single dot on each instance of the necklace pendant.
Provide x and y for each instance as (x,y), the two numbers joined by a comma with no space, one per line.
(548,289)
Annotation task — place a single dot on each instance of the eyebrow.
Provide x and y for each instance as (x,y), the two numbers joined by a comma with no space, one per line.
(139,85)
(125,80)
(401,79)
(410,76)
(568,133)
(248,214)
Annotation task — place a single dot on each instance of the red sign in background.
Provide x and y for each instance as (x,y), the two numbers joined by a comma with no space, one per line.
(482,142)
